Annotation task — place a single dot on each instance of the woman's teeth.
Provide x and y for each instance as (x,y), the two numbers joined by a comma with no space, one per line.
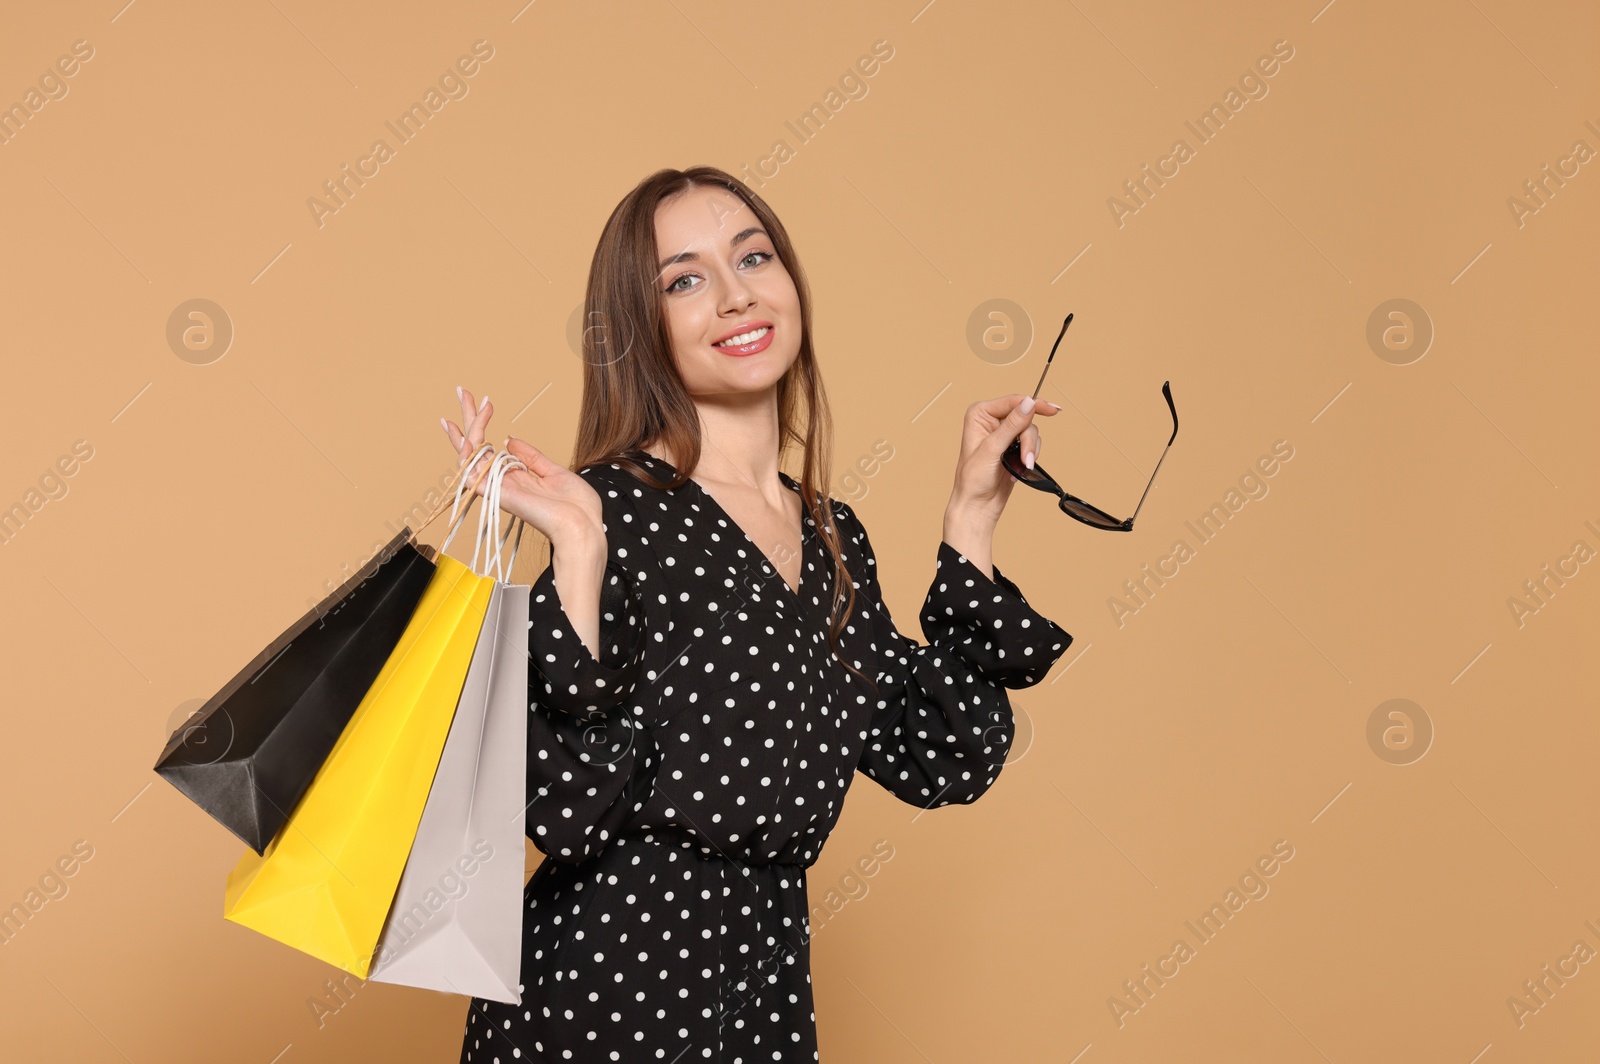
(743,338)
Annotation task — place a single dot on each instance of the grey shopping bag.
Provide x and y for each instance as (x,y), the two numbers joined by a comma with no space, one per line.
(456,921)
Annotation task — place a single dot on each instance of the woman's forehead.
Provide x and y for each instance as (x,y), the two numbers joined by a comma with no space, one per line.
(702,212)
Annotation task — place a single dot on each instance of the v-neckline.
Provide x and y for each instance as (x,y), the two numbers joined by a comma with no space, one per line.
(789,482)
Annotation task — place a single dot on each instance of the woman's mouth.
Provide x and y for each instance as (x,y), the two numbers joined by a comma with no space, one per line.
(747,343)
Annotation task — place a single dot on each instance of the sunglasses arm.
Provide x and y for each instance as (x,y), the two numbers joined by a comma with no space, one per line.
(1166,390)
(1147,487)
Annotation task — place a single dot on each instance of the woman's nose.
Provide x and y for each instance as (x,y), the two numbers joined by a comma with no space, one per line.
(736,295)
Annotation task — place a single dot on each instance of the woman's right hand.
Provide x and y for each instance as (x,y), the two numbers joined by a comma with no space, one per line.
(547,495)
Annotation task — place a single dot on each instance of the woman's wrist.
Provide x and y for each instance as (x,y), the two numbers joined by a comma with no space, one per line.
(579,562)
(971,532)
(578,537)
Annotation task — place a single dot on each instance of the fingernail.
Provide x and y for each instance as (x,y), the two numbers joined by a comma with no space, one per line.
(444,425)
(1027,405)
(1053,406)
(458,392)
(483,402)
(1027,459)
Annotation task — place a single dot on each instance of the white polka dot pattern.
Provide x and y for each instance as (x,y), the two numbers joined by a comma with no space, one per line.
(942,725)
(681,785)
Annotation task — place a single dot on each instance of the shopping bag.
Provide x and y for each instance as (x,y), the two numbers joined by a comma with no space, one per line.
(456,921)
(249,753)
(325,883)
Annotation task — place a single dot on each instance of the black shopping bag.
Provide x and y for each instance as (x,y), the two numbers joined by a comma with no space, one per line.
(249,754)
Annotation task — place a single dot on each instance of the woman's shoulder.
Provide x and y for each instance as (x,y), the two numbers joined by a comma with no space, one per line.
(628,503)
(844,515)
(855,545)
(617,473)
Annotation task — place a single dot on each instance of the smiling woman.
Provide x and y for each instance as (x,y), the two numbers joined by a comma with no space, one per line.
(713,662)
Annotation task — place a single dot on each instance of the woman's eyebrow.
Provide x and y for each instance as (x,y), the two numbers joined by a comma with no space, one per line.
(690,256)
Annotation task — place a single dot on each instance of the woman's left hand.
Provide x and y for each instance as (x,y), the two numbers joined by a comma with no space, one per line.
(982,484)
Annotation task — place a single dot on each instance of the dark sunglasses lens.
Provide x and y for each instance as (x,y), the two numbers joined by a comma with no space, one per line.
(1091,515)
(1034,478)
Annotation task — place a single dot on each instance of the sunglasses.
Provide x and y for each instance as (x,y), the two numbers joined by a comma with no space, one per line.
(1071,505)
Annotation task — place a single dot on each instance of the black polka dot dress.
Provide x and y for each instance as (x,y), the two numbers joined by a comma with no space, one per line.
(681,785)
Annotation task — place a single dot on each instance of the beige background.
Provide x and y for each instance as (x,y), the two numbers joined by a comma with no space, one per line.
(1161,758)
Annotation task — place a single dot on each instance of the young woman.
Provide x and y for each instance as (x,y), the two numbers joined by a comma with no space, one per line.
(712,658)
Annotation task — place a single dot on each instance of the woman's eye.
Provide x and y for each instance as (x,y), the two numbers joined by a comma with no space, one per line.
(677,286)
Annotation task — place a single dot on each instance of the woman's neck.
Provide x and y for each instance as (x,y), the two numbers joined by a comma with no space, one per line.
(738,444)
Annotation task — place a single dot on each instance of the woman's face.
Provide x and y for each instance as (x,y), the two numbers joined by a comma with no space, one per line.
(720,276)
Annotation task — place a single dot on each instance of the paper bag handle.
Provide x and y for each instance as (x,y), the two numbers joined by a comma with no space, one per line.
(493,549)
(455,522)
(489,517)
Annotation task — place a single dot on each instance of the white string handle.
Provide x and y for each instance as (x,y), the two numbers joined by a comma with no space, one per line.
(490,523)
(485,543)
(455,526)
(489,516)
(521,526)
(502,567)
(483,514)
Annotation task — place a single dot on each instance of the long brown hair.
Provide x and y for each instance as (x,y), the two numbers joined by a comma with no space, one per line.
(633,394)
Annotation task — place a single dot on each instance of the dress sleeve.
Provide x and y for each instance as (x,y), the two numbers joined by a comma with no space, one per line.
(588,756)
(942,723)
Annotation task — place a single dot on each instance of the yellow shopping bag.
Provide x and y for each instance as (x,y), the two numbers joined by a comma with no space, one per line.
(325,883)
